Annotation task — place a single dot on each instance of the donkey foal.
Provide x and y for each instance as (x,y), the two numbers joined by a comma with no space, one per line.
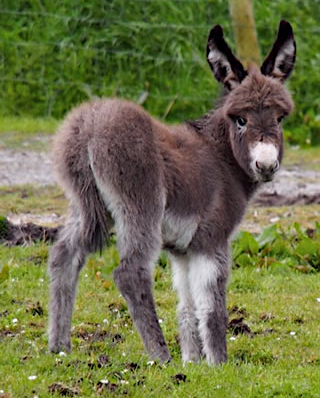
(183,188)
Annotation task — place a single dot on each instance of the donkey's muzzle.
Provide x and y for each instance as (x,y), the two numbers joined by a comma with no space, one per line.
(265,172)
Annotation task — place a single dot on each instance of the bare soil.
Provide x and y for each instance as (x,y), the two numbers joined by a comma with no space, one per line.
(25,233)
(25,167)
(294,186)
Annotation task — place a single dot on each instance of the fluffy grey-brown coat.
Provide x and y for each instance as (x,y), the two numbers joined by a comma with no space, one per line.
(184,188)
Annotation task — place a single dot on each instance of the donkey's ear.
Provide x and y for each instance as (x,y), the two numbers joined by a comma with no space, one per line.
(279,63)
(226,68)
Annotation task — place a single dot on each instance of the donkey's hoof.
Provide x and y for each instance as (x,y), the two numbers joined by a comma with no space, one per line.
(56,348)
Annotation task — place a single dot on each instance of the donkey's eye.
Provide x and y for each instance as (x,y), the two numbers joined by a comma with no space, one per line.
(280,118)
(241,122)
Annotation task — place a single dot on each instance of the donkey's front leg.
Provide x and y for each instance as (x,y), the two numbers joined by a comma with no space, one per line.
(207,278)
(188,326)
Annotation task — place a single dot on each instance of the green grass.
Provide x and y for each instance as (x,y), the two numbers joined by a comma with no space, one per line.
(27,125)
(274,299)
(33,200)
(274,361)
(306,158)
(26,132)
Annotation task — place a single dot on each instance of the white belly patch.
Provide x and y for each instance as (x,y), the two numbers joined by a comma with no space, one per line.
(177,231)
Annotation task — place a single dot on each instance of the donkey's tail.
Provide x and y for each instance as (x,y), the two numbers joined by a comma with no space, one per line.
(97,220)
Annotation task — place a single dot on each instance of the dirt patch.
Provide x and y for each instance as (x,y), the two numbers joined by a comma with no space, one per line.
(7,333)
(237,326)
(23,234)
(63,390)
(25,167)
(179,378)
(38,219)
(99,335)
(294,186)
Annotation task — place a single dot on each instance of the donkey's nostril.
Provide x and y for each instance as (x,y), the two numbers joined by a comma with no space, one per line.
(275,166)
(266,171)
(262,168)
(259,166)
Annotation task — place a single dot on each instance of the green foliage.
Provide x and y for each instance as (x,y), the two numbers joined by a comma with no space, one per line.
(244,249)
(3,227)
(4,277)
(304,126)
(4,273)
(72,51)
(275,247)
(58,54)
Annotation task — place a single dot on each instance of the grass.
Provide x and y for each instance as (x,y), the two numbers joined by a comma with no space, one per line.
(26,132)
(27,125)
(280,358)
(258,218)
(32,200)
(308,158)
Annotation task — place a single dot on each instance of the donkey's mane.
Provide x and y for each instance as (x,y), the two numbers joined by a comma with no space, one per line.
(199,124)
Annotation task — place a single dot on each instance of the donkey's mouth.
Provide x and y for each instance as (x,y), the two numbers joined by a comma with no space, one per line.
(263,177)
(267,178)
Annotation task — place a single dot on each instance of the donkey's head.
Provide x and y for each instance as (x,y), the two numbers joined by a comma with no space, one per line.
(256,101)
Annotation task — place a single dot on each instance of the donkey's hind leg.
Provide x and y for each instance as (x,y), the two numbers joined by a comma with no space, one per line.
(188,325)
(134,280)
(136,200)
(67,257)
(139,246)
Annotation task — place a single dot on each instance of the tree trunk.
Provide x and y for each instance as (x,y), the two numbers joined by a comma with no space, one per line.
(245,31)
